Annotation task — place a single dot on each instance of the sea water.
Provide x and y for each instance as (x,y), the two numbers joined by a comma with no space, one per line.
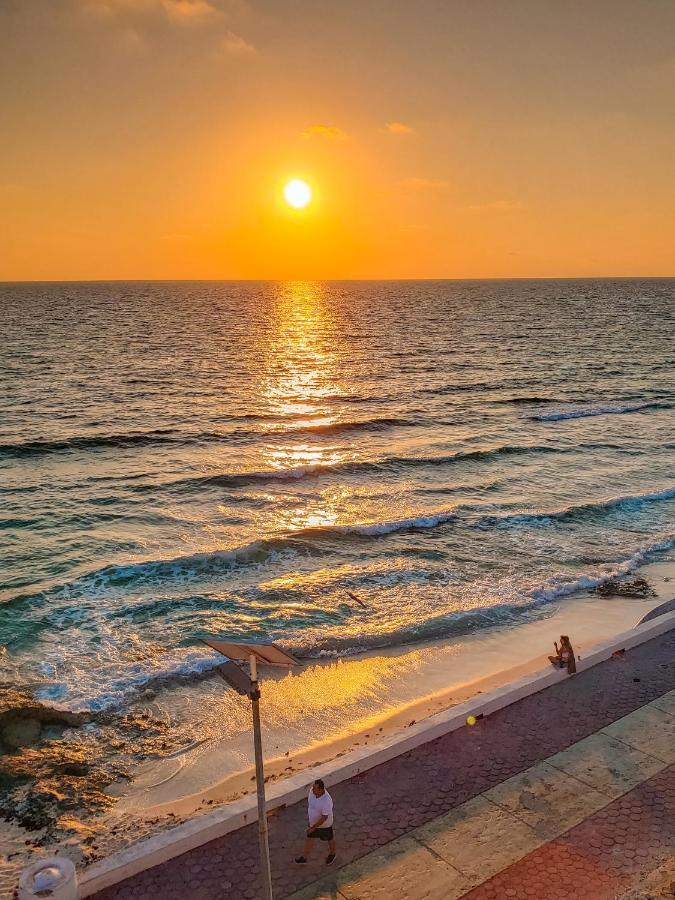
(178,458)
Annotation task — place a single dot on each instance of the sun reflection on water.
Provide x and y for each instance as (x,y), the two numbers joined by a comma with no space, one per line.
(301,364)
(301,370)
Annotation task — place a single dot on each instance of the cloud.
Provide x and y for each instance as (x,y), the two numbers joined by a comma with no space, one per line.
(178,12)
(398,128)
(236,44)
(189,11)
(424,184)
(329,132)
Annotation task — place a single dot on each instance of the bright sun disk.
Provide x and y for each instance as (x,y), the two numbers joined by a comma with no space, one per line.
(297,193)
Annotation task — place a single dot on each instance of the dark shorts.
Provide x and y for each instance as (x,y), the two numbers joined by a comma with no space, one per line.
(323,834)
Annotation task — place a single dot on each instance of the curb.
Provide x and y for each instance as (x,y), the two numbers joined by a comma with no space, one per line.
(201,829)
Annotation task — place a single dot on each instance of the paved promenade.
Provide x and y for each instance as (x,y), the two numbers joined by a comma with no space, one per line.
(592,817)
(513,761)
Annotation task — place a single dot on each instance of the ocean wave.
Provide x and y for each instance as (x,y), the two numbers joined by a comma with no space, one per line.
(563,587)
(576,510)
(196,665)
(190,666)
(378,529)
(304,541)
(312,541)
(449,624)
(464,621)
(583,413)
(344,427)
(537,401)
(24,449)
(190,565)
(367,467)
(444,389)
(159,437)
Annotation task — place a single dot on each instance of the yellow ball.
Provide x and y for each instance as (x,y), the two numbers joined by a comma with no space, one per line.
(470,720)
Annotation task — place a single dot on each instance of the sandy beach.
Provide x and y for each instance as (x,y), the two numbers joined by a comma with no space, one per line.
(356,700)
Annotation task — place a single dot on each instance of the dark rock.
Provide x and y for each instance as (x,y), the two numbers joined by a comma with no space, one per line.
(17,705)
(20,732)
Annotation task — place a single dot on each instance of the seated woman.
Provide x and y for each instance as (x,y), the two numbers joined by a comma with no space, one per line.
(564,655)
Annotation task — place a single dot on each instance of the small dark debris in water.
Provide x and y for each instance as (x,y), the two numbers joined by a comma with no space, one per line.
(411,723)
(356,599)
(637,679)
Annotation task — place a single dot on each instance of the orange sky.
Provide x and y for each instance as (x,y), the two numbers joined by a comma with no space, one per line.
(152,138)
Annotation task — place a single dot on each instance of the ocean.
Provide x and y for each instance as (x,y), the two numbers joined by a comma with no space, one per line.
(178,458)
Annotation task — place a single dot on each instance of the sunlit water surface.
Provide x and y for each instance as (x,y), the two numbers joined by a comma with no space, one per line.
(181,458)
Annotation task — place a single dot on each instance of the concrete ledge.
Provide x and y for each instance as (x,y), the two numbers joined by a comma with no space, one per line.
(202,829)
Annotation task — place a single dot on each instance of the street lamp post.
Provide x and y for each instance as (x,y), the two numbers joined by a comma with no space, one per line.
(247,685)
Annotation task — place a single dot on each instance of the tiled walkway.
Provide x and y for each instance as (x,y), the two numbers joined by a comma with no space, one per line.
(397,797)
(555,820)
(602,857)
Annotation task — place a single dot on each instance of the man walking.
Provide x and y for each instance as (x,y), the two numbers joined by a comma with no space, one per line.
(320,813)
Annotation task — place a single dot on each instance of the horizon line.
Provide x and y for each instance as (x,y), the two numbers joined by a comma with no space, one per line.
(335,280)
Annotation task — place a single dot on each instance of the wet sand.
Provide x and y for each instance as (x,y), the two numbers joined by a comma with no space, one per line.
(330,707)
(364,698)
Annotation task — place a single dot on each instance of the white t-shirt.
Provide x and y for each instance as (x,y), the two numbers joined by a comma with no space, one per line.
(320,806)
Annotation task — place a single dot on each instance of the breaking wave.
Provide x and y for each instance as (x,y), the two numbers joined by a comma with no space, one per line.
(195,665)
(312,541)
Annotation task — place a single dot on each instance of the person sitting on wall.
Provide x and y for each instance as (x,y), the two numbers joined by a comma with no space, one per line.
(564,655)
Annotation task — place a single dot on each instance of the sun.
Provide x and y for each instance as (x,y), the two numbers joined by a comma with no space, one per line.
(298,193)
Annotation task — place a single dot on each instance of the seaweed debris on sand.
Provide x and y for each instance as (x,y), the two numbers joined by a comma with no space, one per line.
(627,586)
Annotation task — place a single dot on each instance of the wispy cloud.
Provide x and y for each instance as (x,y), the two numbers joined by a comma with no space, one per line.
(189,11)
(140,20)
(430,185)
(237,45)
(178,12)
(398,128)
(328,132)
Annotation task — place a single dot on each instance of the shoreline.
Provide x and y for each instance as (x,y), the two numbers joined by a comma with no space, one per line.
(188,785)
(415,682)
(237,785)
(195,837)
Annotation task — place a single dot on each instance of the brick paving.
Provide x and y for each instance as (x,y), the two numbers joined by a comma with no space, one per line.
(390,800)
(602,857)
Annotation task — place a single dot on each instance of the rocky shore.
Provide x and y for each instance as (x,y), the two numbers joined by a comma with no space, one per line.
(56,768)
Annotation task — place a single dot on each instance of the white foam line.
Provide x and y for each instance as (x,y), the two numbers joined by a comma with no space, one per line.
(232,816)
